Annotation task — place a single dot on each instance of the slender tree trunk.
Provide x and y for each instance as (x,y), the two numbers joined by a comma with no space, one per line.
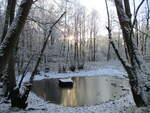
(90,45)
(7,19)
(108,53)
(94,51)
(147,27)
(136,26)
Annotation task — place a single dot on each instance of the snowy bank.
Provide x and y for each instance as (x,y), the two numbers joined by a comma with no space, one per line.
(109,107)
(38,105)
(97,72)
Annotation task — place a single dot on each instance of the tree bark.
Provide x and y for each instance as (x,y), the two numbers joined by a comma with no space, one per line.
(11,74)
(11,82)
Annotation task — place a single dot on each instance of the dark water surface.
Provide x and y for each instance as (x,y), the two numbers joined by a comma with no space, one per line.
(85,91)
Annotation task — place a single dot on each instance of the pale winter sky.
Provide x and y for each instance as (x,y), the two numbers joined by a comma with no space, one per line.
(99,5)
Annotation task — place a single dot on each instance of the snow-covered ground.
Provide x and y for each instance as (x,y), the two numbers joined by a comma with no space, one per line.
(92,69)
(38,105)
(98,72)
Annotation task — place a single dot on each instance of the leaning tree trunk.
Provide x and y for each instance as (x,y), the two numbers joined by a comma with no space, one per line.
(138,77)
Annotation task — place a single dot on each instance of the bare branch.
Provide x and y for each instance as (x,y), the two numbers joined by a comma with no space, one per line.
(136,12)
(124,63)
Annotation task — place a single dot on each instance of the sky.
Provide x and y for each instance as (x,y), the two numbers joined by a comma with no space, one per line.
(94,4)
(100,6)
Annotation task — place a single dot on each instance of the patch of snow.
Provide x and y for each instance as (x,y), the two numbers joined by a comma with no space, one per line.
(99,72)
(66,80)
(109,107)
(38,105)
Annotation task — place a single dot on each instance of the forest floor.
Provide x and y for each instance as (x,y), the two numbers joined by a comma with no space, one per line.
(37,105)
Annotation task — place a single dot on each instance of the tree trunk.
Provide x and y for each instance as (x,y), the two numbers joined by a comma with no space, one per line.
(11,82)
(11,74)
(108,52)
(7,19)
(9,43)
(138,78)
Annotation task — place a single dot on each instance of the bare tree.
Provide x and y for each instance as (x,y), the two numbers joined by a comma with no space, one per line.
(10,41)
(138,75)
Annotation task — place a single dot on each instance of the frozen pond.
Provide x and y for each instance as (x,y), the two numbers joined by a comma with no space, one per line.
(85,90)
